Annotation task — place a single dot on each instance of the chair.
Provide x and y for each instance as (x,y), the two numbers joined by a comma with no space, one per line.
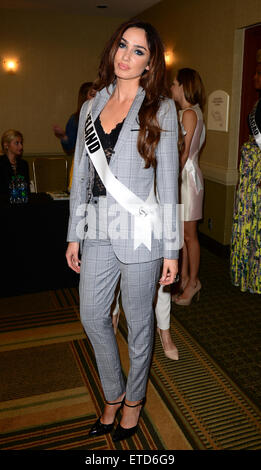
(50,174)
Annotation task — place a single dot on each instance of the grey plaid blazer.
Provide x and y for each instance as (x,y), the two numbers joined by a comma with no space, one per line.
(128,166)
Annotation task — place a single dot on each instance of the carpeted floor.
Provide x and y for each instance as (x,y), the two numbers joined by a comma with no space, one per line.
(209,399)
(227,323)
(50,392)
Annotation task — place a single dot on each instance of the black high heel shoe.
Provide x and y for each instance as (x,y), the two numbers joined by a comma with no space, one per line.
(98,428)
(124,433)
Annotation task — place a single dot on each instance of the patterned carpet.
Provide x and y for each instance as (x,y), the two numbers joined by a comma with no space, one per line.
(50,392)
(51,395)
(227,323)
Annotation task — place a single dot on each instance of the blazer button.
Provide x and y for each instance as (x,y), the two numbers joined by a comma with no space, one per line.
(86,227)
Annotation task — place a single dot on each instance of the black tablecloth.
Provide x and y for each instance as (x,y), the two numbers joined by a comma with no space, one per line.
(33,245)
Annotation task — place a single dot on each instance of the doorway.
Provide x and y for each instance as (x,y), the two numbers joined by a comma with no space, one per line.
(248,93)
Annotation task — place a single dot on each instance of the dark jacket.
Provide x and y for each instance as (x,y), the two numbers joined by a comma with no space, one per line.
(6,173)
(71,132)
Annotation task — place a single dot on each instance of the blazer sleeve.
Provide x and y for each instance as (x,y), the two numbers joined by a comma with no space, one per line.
(79,182)
(167,174)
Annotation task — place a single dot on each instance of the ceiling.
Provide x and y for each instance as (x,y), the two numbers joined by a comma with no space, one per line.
(116,8)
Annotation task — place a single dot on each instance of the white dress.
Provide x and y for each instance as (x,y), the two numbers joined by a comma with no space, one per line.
(192,197)
(191,177)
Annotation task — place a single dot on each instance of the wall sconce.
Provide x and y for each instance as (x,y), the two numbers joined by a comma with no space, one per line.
(10,65)
(169,58)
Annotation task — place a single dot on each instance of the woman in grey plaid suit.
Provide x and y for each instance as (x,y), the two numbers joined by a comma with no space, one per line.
(123,212)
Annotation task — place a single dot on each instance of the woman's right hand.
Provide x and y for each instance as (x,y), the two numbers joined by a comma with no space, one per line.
(72,256)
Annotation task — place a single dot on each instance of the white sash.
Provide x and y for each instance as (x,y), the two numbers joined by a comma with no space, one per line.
(255,131)
(146,214)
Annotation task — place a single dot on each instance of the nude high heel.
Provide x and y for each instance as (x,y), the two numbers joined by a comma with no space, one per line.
(183,285)
(169,353)
(187,301)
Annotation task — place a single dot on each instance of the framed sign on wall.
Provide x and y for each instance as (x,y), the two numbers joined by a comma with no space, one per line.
(218,109)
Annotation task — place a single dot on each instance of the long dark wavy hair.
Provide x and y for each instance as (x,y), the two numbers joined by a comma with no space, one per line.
(153,81)
(193,87)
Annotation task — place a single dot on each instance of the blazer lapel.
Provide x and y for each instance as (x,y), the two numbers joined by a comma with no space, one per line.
(100,101)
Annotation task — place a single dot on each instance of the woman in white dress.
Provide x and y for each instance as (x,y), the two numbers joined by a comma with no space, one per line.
(188,92)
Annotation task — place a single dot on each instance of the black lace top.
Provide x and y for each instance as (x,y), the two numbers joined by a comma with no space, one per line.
(108,142)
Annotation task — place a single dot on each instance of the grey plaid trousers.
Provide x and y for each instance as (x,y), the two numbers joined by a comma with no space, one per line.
(100,272)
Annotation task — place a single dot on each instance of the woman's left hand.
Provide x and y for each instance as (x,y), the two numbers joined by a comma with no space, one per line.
(169,271)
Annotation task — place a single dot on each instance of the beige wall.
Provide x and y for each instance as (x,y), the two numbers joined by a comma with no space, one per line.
(208,35)
(57,52)
(201,34)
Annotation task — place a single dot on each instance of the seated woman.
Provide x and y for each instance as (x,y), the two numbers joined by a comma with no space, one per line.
(11,163)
